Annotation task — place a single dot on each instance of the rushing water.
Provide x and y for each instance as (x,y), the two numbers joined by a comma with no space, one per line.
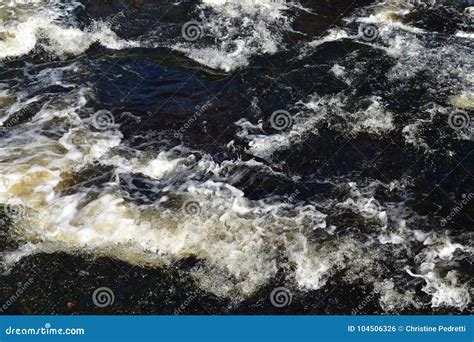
(201,156)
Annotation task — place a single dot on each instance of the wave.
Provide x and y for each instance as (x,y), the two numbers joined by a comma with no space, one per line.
(71,181)
(48,25)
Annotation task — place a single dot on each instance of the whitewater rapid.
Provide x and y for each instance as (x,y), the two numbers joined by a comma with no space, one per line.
(197,208)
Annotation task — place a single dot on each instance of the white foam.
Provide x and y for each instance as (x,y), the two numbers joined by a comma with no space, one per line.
(446,290)
(331,36)
(240,243)
(233,235)
(43,24)
(226,24)
(329,110)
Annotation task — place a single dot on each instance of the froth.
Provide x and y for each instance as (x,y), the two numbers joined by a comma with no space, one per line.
(43,25)
(233,48)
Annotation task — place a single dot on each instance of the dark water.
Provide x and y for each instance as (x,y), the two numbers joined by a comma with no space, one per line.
(322,151)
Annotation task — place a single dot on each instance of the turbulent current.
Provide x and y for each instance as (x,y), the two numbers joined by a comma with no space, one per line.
(237,156)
